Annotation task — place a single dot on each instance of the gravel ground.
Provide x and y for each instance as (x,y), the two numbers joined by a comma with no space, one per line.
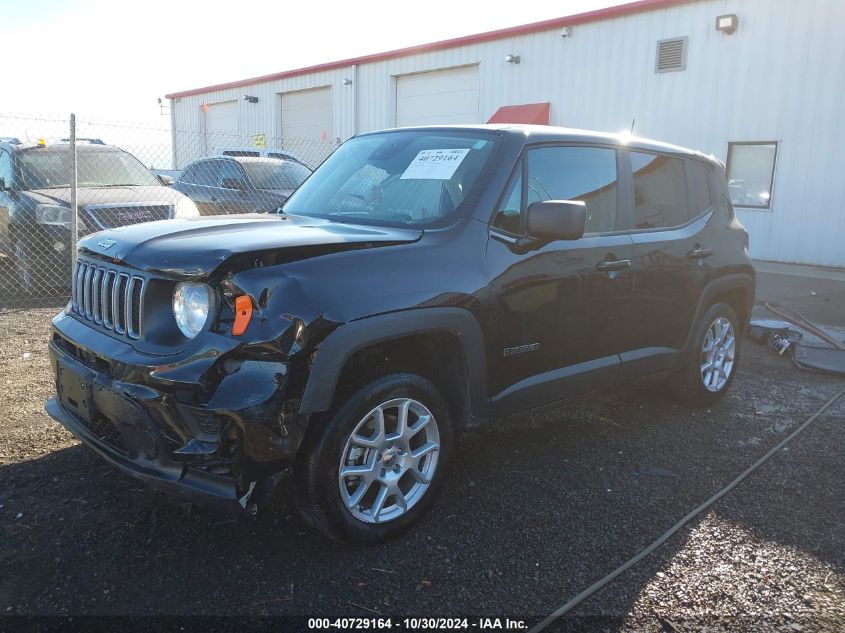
(535,510)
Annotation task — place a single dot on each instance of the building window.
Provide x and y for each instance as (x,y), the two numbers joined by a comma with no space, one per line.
(751,173)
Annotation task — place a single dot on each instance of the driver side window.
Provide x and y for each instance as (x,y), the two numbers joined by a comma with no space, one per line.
(587,174)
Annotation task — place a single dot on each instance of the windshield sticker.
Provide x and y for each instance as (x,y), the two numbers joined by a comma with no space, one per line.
(435,164)
(479,145)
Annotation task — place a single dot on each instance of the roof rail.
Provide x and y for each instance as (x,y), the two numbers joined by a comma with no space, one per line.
(90,141)
(14,140)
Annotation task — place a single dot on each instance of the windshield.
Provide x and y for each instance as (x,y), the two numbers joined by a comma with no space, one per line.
(413,177)
(43,168)
(276,174)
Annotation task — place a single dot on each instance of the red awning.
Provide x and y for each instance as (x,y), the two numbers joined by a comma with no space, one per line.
(526,113)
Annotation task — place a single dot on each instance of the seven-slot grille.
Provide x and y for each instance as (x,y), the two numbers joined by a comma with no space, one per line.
(109,297)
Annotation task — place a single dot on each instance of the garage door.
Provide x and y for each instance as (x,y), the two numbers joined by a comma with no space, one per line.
(307,114)
(221,125)
(438,97)
(307,129)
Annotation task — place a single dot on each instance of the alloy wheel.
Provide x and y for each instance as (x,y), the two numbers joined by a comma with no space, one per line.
(389,460)
(718,352)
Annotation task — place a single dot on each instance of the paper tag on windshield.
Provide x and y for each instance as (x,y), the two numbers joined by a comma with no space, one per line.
(434,164)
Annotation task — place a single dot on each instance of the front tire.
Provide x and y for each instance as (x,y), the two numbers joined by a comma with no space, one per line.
(373,466)
(711,360)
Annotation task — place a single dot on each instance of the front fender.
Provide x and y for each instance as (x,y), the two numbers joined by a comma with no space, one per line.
(351,337)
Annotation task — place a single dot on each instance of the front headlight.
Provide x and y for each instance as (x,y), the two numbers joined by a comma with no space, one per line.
(53,215)
(186,208)
(191,307)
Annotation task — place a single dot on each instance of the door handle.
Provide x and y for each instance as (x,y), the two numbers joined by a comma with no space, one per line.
(610,266)
(700,253)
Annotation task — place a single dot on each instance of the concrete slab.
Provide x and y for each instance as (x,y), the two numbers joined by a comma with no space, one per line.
(817,293)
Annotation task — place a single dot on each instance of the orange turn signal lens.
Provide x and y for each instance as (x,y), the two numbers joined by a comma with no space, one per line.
(243,313)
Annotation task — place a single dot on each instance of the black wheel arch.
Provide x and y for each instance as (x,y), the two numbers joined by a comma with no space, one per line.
(339,346)
(735,289)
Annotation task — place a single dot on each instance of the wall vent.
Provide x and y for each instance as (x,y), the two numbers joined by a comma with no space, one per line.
(671,55)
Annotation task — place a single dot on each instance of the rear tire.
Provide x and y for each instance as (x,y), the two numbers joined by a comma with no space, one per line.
(390,476)
(710,362)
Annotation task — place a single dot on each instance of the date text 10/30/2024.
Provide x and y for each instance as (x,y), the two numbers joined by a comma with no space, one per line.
(418,624)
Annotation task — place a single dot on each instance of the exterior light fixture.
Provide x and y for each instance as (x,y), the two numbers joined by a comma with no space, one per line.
(250,99)
(566,31)
(347,82)
(512,59)
(727,24)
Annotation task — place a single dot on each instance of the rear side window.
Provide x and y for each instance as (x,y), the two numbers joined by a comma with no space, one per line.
(202,173)
(587,174)
(699,188)
(660,191)
(229,171)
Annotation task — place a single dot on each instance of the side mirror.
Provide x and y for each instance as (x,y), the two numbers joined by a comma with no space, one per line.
(234,183)
(165,180)
(557,219)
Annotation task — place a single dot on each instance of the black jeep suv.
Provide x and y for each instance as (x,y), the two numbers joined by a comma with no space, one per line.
(421,282)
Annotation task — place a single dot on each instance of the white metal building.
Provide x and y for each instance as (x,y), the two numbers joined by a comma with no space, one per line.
(758,83)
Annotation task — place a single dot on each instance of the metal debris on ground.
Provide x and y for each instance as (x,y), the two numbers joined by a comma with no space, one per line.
(820,358)
(789,334)
(779,343)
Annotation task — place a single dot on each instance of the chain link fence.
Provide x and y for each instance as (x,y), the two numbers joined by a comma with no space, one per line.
(62,179)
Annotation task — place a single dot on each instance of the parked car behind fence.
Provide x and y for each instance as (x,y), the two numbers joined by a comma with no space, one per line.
(228,185)
(254,152)
(114,189)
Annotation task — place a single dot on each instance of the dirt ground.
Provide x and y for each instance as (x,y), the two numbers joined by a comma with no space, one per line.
(535,509)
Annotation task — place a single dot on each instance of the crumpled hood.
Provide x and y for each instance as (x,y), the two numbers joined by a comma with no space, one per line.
(196,247)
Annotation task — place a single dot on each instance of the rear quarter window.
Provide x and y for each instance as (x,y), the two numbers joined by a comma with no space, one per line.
(721,191)
(700,200)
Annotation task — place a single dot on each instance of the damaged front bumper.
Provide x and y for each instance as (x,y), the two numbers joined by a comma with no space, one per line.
(210,425)
(161,472)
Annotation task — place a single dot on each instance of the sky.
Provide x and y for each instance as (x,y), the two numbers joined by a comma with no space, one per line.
(111,60)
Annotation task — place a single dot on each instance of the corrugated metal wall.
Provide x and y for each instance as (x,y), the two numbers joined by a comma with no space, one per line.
(780,77)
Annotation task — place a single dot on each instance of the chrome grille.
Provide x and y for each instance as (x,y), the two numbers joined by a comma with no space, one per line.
(109,297)
(113,215)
